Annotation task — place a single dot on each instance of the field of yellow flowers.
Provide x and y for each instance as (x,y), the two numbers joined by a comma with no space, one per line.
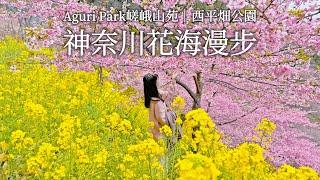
(66,125)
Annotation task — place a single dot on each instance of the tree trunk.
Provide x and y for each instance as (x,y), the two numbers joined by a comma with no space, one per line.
(199,86)
(99,70)
(196,96)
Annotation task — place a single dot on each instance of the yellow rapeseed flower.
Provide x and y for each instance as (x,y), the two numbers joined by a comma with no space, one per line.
(166,130)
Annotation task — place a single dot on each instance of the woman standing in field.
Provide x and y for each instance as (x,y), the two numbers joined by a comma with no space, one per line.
(158,111)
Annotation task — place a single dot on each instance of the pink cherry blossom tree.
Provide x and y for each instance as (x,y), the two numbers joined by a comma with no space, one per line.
(273,79)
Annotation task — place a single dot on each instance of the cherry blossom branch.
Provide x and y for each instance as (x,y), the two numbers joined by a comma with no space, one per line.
(228,85)
(251,79)
(197,80)
(191,93)
(310,15)
(268,6)
(209,103)
(199,85)
(242,116)
(136,65)
(281,50)
(58,2)
(262,13)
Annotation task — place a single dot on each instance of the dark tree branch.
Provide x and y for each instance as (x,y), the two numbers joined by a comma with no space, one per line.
(196,79)
(252,79)
(228,85)
(268,6)
(191,93)
(262,13)
(244,115)
(209,103)
(310,15)
(135,65)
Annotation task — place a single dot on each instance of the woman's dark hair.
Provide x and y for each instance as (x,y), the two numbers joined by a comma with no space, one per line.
(150,88)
